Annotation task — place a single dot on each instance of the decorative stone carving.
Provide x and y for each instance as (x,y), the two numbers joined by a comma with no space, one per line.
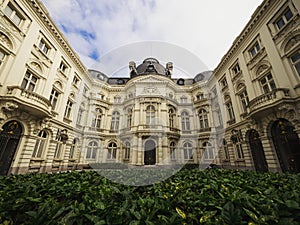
(37,67)
(5,41)
(150,90)
(262,69)
(295,40)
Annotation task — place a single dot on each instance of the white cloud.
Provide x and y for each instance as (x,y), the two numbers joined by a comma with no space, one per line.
(206,28)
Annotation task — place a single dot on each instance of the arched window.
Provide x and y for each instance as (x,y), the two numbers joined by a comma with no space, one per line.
(208,151)
(173,150)
(127,151)
(188,151)
(203,118)
(150,115)
(171,117)
(112,151)
(92,150)
(97,118)
(129,117)
(40,144)
(185,121)
(115,121)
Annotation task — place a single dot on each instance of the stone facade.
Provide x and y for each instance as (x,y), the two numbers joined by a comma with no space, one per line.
(57,115)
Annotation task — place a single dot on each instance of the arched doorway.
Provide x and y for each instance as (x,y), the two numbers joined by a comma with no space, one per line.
(257,150)
(287,145)
(9,140)
(150,153)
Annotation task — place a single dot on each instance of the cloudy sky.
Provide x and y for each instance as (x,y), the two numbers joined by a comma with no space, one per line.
(119,31)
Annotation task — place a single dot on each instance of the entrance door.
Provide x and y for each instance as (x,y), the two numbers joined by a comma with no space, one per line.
(287,145)
(9,140)
(150,153)
(257,151)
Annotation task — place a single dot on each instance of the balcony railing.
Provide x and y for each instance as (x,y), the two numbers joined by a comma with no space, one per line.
(268,98)
(29,98)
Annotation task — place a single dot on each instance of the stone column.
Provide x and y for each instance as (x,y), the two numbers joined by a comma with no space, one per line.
(140,151)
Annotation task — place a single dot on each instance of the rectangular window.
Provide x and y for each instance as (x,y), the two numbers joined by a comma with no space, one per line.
(244,100)
(63,67)
(295,58)
(239,151)
(29,81)
(223,83)
(68,109)
(255,49)
(236,69)
(285,17)
(75,80)
(267,83)
(79,117)
(230,111)
(13,14)
(43,46)
(54,98)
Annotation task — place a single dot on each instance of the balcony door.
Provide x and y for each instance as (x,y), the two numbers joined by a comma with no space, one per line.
(9,141)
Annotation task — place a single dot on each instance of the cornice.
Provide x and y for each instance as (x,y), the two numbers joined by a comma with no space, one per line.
(255,19)
(44,16)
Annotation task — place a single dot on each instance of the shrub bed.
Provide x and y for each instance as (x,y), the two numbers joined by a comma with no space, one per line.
(191,196)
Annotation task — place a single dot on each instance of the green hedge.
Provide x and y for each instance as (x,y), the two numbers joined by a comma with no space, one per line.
(191,196)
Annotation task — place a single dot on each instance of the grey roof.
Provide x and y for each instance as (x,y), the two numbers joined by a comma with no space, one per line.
(151,65)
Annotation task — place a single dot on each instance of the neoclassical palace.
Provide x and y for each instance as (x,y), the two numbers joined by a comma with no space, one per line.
(57,115)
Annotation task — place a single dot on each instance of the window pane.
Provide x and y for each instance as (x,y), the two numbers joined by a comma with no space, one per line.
(295,57)
(297,66)
(8,10)
(288,15)
(280,23)
(16,20)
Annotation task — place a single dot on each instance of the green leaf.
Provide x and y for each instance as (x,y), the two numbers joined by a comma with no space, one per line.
(252,215)
(292,204)
(181,213)
(207,216)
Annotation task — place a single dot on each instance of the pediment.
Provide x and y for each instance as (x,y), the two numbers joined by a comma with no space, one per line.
(151,79)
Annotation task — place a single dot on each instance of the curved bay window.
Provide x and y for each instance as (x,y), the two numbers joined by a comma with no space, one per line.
(150,115)
(129,118)
(97,119)
(171,117)
(40,144)
(185,121)
(203,119)
(115,121)
(112,151)
(187,151)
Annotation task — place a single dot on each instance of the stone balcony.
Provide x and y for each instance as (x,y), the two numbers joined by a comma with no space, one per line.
(268,100)
(28,101)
